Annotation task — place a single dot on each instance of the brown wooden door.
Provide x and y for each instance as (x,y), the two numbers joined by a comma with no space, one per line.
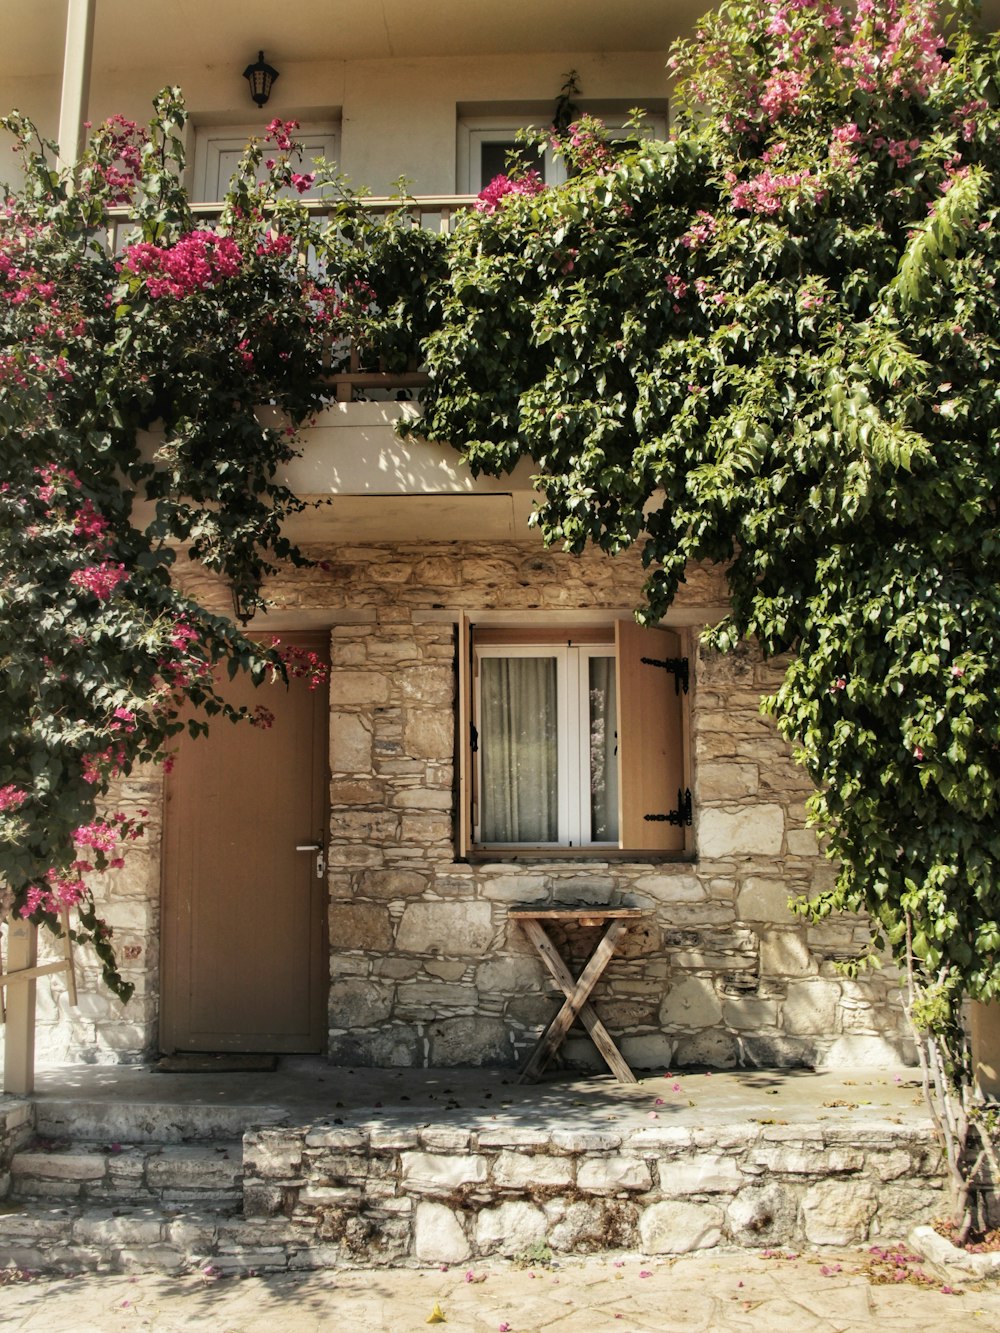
(244,953)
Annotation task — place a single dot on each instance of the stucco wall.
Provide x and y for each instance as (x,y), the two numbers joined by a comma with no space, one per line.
(425,967)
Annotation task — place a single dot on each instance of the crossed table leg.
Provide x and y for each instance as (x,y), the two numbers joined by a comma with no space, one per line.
(577,992)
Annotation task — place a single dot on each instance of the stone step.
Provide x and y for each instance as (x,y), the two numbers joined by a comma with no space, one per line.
(206,1174)
(155,1238)
(149,1122)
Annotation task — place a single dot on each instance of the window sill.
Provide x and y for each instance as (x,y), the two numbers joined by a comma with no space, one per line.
(523,855)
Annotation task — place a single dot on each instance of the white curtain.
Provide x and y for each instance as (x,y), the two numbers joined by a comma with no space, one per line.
(519,797)
(603,751)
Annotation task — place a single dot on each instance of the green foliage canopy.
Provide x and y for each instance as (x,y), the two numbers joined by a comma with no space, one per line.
(772,341)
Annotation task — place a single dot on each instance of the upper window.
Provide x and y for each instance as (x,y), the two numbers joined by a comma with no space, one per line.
(573,738)
(218,149)
(486,142)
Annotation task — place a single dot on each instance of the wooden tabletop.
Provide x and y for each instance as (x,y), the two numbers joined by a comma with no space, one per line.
(575,913)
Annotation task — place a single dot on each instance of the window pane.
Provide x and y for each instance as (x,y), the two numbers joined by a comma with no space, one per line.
(603,751)
(493,158)
(519,794)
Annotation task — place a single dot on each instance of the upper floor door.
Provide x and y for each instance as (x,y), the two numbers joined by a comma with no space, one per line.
(218,149)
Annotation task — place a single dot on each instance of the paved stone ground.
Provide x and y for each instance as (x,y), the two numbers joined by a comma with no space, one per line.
(828,1292)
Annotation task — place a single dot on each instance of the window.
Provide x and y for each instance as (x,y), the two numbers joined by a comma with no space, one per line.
(571,738)
(484,143)
(218,149)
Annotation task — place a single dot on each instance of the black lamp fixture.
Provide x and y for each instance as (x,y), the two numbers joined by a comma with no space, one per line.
(260,76)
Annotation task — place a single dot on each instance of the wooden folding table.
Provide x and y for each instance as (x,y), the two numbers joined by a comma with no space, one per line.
(577,991)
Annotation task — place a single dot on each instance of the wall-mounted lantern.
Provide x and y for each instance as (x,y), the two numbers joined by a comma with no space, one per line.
(260,76)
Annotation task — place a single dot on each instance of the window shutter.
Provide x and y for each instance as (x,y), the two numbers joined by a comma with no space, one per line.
(464,757)
(651,763)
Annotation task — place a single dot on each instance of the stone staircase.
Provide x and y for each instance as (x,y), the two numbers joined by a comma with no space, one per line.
(122,1185)
(128,1187)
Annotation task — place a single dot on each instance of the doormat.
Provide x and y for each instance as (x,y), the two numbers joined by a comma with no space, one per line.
(221,1062)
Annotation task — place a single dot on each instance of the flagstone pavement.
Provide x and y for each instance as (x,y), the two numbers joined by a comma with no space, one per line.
(825,1291)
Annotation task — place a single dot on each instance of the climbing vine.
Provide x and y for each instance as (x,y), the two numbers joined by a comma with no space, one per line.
(772,342)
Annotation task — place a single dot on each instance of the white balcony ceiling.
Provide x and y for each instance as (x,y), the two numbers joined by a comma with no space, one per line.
(144,33)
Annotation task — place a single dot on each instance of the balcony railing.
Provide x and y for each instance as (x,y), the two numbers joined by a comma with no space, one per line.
(434,212)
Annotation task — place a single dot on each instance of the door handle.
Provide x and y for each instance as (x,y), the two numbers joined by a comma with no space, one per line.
(316,847)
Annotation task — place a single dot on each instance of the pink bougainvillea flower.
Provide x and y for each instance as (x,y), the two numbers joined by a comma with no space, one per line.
(489,199)
(12,797)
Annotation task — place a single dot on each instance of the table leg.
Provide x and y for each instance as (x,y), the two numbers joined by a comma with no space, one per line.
(576,1004)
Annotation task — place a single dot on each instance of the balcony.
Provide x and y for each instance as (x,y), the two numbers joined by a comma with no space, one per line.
(365,481)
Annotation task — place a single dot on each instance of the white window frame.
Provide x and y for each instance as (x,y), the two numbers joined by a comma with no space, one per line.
(652,725)
(572,732)
(320,139)
(474,131)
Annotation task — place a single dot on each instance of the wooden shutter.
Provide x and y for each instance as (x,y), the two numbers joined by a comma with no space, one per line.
(464,757)
(650,737)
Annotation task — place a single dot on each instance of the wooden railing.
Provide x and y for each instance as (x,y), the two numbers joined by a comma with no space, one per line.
(436,212)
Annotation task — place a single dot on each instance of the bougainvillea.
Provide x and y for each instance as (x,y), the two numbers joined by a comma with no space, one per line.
(184,329)
(772,341)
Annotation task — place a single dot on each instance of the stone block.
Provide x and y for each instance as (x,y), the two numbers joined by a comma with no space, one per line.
(747,1012)
(708,1174)
(360,926)
(514,1170)
(195,1167)
(513,1228)
(136,1227)
(352,689)
(438,1235)
(356,791)
(650,1050)
(771,1050)
(260,1200)
(63,1166)
(511,973)
(692,1003)
(784,953)
(577,1226)
(679,1228)
(513,1136)
(586,1140)
(798,1161)
(763,899)
(445,928)
(350,743)
(727,782)
(763,1216)
(429,733)
(439,1173)
(681,888)
(470,1040)
(610,1174)
(445,1138)
(716,1049)
(389,884)
(838,1212)
(359,1004)
(755,830)
(810,1007)
(445,969)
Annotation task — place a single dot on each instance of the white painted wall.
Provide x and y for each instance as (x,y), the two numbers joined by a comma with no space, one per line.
(398,115)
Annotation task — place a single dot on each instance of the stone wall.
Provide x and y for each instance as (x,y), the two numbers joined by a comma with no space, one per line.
(425,967)
(17,1125)
(445,1195)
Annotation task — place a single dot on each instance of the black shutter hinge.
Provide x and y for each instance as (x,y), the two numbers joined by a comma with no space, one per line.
(473,738)
(682,815)
(678,666)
